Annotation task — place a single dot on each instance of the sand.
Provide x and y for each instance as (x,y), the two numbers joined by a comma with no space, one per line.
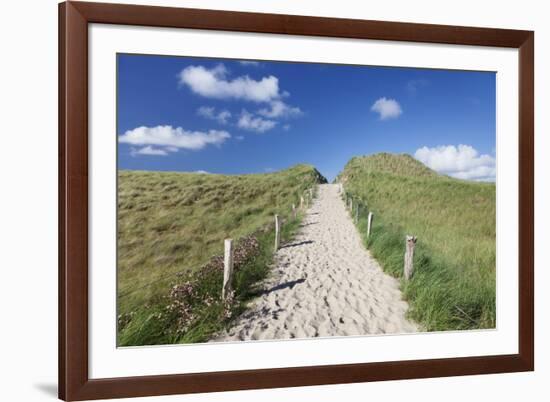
(324,283)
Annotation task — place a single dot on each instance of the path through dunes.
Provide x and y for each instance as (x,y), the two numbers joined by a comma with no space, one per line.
(324,283)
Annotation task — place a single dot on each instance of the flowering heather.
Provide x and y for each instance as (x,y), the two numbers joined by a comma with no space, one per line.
(194,294)
(169,227)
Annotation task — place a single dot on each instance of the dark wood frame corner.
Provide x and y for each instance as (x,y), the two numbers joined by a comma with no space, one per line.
(74,382)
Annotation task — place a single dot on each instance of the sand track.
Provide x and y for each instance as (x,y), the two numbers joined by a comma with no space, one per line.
(324,283)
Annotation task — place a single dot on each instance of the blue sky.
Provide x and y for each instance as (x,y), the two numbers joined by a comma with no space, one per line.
(232,117)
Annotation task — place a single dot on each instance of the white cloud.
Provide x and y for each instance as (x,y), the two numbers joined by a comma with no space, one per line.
(386,108)
(223,116)
(171,139)
(249,63)
(239,137)
(462,162)
(247,121)
(286,127)
(280,109)
(149,150)
(201,172)
(213,83)
(207,112)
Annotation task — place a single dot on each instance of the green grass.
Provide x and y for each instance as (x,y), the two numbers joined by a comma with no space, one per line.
(454,283)
(172,224)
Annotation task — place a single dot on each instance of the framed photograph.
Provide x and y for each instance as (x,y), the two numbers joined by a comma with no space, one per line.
(260,200)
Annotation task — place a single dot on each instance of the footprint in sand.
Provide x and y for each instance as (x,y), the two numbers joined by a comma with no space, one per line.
(344,291)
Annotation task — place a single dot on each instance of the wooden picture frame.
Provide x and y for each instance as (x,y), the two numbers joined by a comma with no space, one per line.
(74,381)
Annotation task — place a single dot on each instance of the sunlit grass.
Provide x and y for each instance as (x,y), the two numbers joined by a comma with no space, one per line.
(454,220)
(171,224)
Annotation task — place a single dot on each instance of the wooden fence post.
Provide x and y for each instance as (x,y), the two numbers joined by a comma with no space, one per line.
(369,223)
(301,202)
(277,232)
(408,268)
(227,267)
(294,211)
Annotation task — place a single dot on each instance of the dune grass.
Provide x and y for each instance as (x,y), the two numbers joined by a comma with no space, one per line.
(161,321)
(455,277)
(171,224)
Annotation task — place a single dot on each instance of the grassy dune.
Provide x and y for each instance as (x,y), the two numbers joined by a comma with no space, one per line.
(454,220)
(171,224)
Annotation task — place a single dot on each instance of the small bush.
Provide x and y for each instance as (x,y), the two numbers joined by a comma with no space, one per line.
(168,235)
(193,310)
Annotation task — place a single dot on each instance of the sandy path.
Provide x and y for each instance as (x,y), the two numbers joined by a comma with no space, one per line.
(324,283)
